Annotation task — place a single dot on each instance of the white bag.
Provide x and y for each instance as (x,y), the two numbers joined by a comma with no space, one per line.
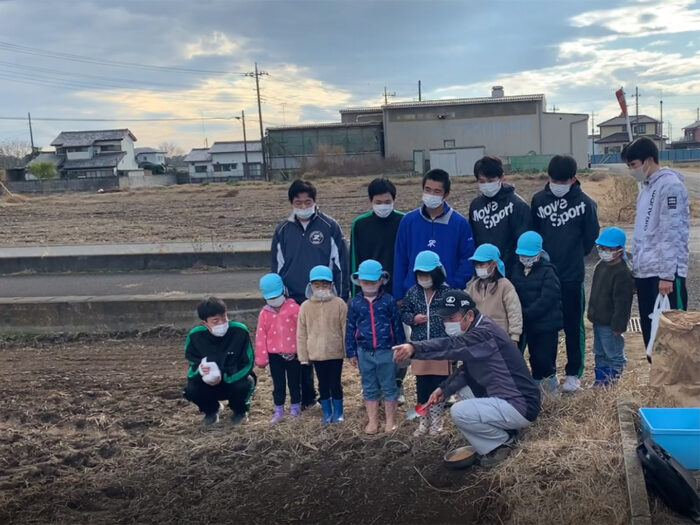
(662,304)
(214,375)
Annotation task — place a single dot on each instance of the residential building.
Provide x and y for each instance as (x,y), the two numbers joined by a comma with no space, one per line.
(690,139)
(614,136)
(92,154)
(453,133)
(225,161)
(294,148)
(593,148)
(146,156)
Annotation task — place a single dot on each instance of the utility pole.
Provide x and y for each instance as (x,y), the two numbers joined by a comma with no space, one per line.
(636,112)
(593,133)
(257,75)
(419,91)
(554,108)
(670,131)
(661,124)
(31,133)
(386,95)
(245,143)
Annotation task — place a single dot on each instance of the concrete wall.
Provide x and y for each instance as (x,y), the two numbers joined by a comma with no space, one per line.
(60,185)
(115,313)
(140,180)
(566,134)
(128,162)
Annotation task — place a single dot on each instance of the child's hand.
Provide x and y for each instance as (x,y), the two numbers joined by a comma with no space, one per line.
(436,397)
(617,334)
(353,361)
(204,369)
(403,352)
(420,319)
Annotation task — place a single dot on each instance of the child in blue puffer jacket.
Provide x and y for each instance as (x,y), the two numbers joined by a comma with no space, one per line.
(373,327)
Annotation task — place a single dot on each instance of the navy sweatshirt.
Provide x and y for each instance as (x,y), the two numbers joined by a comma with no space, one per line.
(540,297)
(569,227)
(500,220)
(296,250)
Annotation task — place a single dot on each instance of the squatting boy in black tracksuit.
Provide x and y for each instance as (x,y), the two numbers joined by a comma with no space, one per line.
(567,219)
(227,343)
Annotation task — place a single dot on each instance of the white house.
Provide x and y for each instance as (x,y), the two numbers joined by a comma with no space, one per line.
(149,156)
(92,154)
(225,161)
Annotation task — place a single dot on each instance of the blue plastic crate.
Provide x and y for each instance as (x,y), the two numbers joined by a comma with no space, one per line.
(677,430)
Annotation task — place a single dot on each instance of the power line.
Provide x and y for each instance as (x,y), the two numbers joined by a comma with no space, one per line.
(14,48)
(81,119)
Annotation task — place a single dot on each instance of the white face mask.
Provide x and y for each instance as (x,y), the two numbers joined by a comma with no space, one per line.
(425,283)
(382,210)
(370,290)
(489,189)
(323,294)
(219,330)
(453,328)
(304,213)
(639,173)
(432,201)
(559,190)
(483,273)
(606,255)
(527,262)
(276,302)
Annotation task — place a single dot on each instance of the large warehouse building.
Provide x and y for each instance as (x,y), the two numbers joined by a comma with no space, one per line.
(452,134)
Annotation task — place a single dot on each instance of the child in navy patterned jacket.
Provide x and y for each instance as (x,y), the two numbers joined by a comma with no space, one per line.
(373,327)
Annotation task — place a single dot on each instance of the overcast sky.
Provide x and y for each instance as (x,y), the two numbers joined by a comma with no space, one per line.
(325,55)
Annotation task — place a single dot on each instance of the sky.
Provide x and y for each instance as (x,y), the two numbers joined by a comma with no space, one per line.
(180,59)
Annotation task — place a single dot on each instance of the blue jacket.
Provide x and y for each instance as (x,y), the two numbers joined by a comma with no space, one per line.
(373,325)
(450,236)
(296,250)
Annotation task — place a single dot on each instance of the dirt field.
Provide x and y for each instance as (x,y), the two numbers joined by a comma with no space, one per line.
(243,211)
(95,431)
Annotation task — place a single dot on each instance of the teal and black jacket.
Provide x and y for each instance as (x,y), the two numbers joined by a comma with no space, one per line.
(233,353)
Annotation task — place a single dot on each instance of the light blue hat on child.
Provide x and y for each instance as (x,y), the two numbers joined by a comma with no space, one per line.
(426,261)
(489,252)
(529,244)
(370,270)
(271,285)
(321,273)
(612,237)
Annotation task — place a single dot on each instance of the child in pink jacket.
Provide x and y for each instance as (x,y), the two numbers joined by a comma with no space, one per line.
(276,344)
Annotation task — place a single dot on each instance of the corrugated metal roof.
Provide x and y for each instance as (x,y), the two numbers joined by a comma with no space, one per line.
(103,160)
(87,138)
(464,101)
(621,121)
(198,155)
(234,146)
(695,125)
(377,109)
(327,125)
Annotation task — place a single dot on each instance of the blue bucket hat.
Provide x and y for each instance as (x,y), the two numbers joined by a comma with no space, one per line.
(529,244)
(321,273)
(489,252)
(369,270)
(426,261)
(612,237)
(271,285)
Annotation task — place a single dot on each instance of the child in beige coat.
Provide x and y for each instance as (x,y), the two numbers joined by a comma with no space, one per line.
(321,340)
(495,296)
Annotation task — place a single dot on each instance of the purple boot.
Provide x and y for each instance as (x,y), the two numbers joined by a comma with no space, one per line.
(295,410)
(278,414)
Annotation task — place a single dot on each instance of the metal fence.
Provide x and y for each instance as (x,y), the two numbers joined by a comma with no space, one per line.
(667,155)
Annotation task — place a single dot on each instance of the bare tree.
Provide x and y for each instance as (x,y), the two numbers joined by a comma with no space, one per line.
(171,149)
(15,148)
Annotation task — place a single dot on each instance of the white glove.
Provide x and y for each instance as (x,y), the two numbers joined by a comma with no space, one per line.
(214,376)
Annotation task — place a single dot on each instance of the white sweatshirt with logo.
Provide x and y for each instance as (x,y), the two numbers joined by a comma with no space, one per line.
(662,227)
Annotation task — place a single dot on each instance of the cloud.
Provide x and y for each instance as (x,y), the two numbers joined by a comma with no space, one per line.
(217,44)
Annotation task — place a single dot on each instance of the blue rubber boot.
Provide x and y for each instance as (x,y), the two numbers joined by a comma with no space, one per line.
(602,376)
(327,409)
(337,411)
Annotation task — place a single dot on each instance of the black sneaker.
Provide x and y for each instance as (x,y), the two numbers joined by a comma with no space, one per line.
(307,404)
(239,419)
(495,457)
(211,418)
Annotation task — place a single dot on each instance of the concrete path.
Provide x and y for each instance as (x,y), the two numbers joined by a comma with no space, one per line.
(135,248)
(130,283)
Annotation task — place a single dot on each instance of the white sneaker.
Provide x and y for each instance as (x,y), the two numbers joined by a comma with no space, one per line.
(571,384)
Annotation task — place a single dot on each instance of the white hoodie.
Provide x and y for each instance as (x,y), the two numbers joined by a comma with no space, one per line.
(662,227)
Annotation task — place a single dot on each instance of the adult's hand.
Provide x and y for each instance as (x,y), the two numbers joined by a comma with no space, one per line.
(665,287)
(436,397)
(403,352)
(420,319)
